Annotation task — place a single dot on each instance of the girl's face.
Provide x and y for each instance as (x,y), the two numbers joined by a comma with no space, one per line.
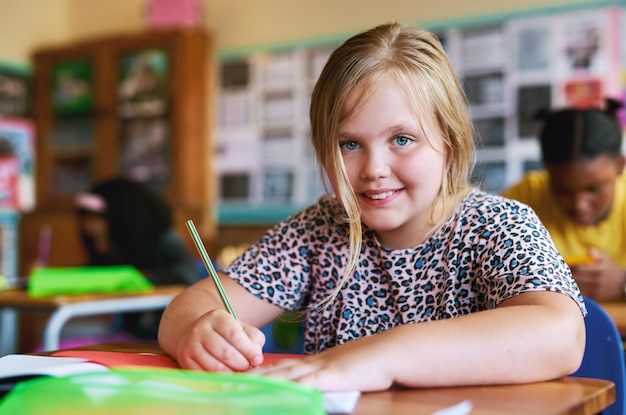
(585,189)
(394,170)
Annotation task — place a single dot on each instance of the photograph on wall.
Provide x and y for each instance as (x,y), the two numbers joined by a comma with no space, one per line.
(145,151)
(278,147)
(584,93)
(142,91)
(583,43)
(532,49)
(277,186)
(72,87)
(490,176)
(489,131)
(531,100)
(15,96)
(317,58)
(485,89)
(483,48)
(234,187)
(234,74)
(235,109)
(17,190)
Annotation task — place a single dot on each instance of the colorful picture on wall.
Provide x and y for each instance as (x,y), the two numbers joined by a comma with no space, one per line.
(14,93)
(584,93)
(16,164)
(72,87)
(142,90)
(585,45)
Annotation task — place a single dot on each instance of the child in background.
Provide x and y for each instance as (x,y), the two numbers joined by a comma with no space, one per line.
(407,275)
(123,222)
(581,195)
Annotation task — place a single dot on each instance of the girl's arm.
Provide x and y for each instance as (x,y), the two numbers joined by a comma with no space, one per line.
(531,337)
(197,331)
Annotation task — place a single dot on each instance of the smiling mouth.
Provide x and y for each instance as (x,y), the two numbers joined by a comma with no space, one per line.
(379,196)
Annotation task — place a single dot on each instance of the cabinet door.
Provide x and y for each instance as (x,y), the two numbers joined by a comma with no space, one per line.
(162,121)
(135,105)
(70,115)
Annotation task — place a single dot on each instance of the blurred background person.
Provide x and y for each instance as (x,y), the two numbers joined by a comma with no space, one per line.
(124,222)
(580,195)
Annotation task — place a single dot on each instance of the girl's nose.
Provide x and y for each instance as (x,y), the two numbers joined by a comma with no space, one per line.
(582,203)
(375,166)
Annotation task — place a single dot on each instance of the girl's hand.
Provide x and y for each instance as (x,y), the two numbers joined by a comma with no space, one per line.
(602,280)
(218,342)
(351,366)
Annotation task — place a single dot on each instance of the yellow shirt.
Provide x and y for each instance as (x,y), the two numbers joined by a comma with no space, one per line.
(571,239)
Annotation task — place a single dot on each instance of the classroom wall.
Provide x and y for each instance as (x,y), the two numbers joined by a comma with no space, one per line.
(27,24)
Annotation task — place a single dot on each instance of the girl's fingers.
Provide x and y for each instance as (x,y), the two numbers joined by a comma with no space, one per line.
(218,342)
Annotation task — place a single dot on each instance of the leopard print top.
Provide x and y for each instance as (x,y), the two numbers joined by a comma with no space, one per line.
(490,249)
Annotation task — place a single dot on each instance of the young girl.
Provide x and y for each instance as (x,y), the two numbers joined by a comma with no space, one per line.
(406,276)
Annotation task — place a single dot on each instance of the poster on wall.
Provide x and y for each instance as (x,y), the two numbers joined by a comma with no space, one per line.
(584,93)
(584,44)
(72,87)
(530,100)
(532,49)
(16,164)
(14,94)
(142,91)
(483,48)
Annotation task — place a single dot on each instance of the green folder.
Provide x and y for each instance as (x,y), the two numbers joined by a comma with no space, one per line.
(86,280)
(161,391)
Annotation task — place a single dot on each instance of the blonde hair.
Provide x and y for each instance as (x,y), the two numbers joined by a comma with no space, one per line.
(416,61)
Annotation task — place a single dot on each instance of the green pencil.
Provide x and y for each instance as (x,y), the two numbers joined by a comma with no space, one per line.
(209,266)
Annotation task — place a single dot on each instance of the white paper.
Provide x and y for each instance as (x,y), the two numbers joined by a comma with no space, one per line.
(462,408)
(340,402)
(14,365)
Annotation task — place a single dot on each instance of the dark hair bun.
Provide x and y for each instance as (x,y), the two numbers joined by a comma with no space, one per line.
(612,105)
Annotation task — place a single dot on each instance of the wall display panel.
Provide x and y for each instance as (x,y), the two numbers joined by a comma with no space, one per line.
(510,68)
(531,100)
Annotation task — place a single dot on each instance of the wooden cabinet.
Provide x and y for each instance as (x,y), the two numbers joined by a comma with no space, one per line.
(136,105)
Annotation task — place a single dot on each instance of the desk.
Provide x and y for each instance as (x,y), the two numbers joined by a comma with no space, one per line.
(66,307)
(564,396)
(617,311)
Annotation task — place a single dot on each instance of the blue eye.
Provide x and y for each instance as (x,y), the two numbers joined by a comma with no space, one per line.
(348,146)
(402,140)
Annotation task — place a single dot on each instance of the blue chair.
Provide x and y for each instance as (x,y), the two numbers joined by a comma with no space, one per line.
(604,354)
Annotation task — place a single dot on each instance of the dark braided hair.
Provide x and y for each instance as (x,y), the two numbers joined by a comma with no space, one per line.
(571,134)
(137,218)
